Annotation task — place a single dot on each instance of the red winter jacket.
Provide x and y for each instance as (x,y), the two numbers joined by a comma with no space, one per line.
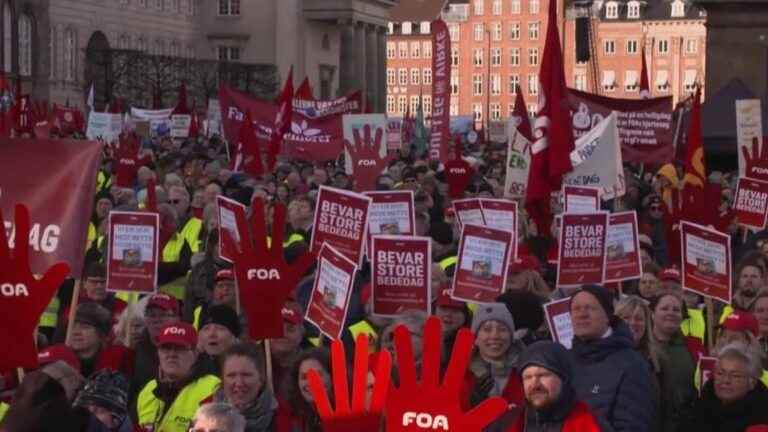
(115,357)
(580,419)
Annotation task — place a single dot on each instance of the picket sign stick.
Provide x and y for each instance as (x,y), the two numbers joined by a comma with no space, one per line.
(72,309)
(268,358)
(710,323)
(20,374)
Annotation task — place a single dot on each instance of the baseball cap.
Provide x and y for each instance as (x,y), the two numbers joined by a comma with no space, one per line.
(225,274)
(741,321)
(58,352)
(179,333)
(163,301)
(292,313)
(670,274)
(444,299)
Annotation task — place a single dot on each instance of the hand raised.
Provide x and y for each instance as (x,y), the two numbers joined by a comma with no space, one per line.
(367,163)
(757,162)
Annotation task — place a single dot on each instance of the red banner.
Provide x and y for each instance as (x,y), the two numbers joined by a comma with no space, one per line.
(645,125)
(469,211)
(402,278)
(69,119)
(316,131)
(132,256)
(391,213)
(229,239)
(440,134)
(706,261)
(60,207)
(484,256)
(622,250)
(341,218)
(329,302)
(581,199)
(751,203)
(558,315)
(581,258)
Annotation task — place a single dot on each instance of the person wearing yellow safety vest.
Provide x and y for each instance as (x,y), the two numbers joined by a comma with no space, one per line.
(749,283)
(301,213)
(740,327)
(176,254)
(104,203)
(223,293)
(202,277)
(694,324)
(168,402)
(188,226)
(160,311)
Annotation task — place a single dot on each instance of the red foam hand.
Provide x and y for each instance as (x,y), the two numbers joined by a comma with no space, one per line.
(127,160)
(458,173)
(429,404)
(354,417)
(264,279)
(367,163)
(23,298)
(757,162)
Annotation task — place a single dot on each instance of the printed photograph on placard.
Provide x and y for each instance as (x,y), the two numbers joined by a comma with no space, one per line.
(484,257)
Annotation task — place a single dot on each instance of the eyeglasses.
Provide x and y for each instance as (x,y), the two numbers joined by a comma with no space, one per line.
(174,201)
(730,376)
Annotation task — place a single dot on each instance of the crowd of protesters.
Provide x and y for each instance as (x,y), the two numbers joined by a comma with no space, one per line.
(181,360)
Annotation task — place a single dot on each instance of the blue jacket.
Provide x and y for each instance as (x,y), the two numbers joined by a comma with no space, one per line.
(615,380)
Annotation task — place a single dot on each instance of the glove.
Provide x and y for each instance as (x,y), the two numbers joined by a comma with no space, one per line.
(367,164)
(430,404)
(22,297)
(757,162)
(354,418)
(458,173)
(264,279)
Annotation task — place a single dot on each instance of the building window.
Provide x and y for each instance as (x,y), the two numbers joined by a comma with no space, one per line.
(496,57)
(533,56)
(633,9)
(226,53)
(514,83)
(424,27)
(495,85)
(141,45)
(497,7)
(391,77)
(477,58)
(479,30)
(415,76)
(609,80)
(662,81)
(427,50)
(229,7)
(454,57)
(477,112)
(495,111)
(533,31)
(632,46)
(689,80)
(497,31)
(510,109)
(514,6)
(609,46)
(479,6)
(391,50)
(415,50)
(514,31)
(663,47)
(402,75)
(533,110)
(426,104)
(533,84)
(612,10)
(390,28)
(453,30)
(174,49)
(414,104)
(477,85)
(7,37)
(454,107)
(402,49)
(52,50)
(534,7)
(514,56)
(405,28)
(678,9)
(25,45)
(70,55)
(691,46)
(454,84)
(402,104)
(427,76)
(580,82)
(391,106)
(631,81)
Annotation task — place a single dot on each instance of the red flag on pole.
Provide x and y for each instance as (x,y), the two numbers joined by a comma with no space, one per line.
(695,186)
(551,151)
(181,101)
(645,88)
(521,113)
(282,121)
(247,155)
(305,90)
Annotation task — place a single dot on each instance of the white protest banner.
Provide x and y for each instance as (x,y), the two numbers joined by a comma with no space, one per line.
(597,160)
(357,122)
(401,274)
(749,125)
(145,114)
(518,161)
(104,126)
(180,125)
(329,301)
(558,315)
(213,118)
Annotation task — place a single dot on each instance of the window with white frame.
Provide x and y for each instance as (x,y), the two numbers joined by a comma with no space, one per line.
(632,46)
(609,46)
(391,77)
(479,30)
(477,57)
(391,50)
(402,104)
(533,56)
(533,31)
(402,48)
(689,80)
(226,53)
(534,7)
(454,83)
(391,105)
(514,31)
(70,55)
(414,104)
(514,56)
(498,31)
(454,32)
(633,9)
(424,27)
(580,82)
(477,112)
(426,103)
(514,83)
(495,111)
(496,7)
(495,85)
(612,10)
(25,45)
(454,56)
(510,109)
(678,9)
(514,6)
(478,6)
(415,76)
(691,46)
(662,80)
(495,57)
(609,80)
(426,75)
(663,47)
(631,81)
(229,7)
(454,107)
(533,84)
(406,28)
(415,50)
(533,110)
(477,85)
(390,28)
(402,76)
(426,50)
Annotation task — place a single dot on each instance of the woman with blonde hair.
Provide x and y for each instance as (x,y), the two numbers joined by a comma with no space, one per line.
(634,311)
(130,325)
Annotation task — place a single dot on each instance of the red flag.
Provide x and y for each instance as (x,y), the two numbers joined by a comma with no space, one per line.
(645,88)
(305,90)
(521,116)
(248,154)
(181,101)
(194,124)
(694,207)
(551,152)
(282,121)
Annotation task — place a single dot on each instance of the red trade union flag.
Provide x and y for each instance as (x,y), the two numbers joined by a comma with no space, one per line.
(441,92)
(282,120)
(520,115)
(305,90)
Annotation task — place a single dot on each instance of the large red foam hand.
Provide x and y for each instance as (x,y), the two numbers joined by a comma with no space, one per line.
(354,417)
(22,297)
(264,279)
(757,162)
(367,163)
(431,404)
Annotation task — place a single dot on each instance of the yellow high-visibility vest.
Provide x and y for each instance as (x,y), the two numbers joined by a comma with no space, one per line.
(191,232)
(3,410)
(172,253)
(50,316)
(448,261)
(196,317)
(694,325)
(153,415)
(102,181)
(727,310)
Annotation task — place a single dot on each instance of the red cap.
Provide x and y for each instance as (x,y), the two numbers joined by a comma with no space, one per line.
(179,333)
(225,274)
(444,299)
(670,274)
(292,314)
(163,301)
(58,352)
(741,321)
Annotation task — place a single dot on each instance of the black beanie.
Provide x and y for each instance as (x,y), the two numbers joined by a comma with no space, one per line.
(602,295)
(222,315)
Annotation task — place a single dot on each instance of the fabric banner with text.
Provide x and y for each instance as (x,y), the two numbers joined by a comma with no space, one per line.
(440,134)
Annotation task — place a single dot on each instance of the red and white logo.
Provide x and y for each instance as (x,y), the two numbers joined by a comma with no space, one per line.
(263,274)
(14,290)
(425,421)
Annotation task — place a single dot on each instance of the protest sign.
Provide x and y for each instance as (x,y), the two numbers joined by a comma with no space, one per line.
(146,114)
(518,161)
(501,214)
(644,126)
(468,211)
(622,250)
(597,160)
(440,133)
(104,126)
(558,315)
(353,122)
(229,239)
(60,209)
(132,255)
(705,369)
(706,261)
(180,125)
(402,274)
(581,199)
(341,219)
(213,118)
(68,119)
(394,134)
(481,270)
(390,213)
(329,301)
(749,125)
(581,255)
(497,131)
(751,203)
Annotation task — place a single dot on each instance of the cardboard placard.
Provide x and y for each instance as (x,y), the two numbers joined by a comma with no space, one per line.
(469,211)
(390,213)
(581,199)
(501,214)
(751,203)
(706,261)
(132,256)
(329,301)
(229,238)
(352,122)
(622,250)
(180,125)
(558,315)
(341,220)
(749,125)
(481,270)
(581,258)
(402,274)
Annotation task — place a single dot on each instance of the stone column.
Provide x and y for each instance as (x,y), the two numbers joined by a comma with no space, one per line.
(372,68)
(347,58)
(381,82)
(360,60)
